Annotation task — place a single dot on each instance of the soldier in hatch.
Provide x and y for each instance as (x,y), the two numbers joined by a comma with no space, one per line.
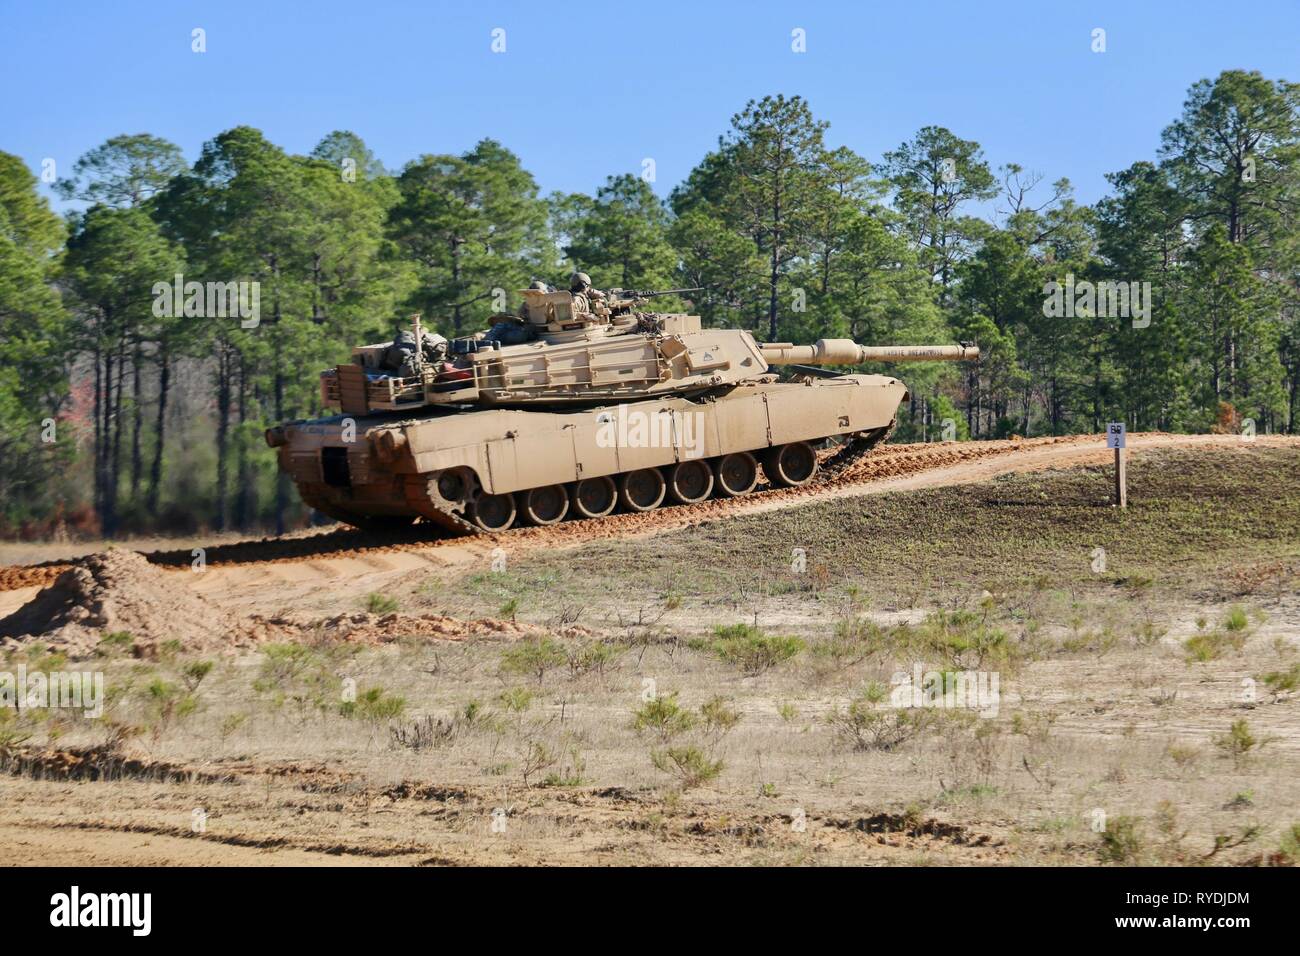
(399,359)
(539,286)
(514,331)
(580,285)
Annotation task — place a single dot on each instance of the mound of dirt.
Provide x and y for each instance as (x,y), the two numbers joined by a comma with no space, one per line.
(42,575)
(115,591)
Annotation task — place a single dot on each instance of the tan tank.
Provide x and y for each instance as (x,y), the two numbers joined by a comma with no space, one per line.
(600,406)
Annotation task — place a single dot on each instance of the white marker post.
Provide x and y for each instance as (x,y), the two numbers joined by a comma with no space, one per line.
(1115,438)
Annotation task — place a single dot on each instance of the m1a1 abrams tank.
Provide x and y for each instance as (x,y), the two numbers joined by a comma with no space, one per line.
(597,405)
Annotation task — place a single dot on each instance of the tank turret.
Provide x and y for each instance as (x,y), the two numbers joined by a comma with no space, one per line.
(567,349)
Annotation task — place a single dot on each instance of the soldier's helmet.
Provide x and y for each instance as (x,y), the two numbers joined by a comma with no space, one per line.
(538,284)
(580,282)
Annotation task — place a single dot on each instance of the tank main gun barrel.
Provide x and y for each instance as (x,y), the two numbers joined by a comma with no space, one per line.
(848,352)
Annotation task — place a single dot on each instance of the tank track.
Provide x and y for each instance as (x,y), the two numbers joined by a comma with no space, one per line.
(418,499)
(856,447)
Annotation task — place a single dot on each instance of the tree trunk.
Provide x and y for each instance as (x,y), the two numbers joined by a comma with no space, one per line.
(281,479)
(223,434)
(244,489)
(137,424)
(160,429)
(96,411)
(456,318)
(115,454)
(776,267)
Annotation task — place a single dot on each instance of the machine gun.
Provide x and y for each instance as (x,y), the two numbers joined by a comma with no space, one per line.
(620,299)
(634,294)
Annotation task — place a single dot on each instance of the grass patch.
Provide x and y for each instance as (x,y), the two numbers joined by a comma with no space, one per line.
(1196,525)
(378,603)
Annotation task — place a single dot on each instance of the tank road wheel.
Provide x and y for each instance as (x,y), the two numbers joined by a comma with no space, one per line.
(547,505)
(641,490)
(736,474)
(788,466)
(690,481)
(493,512)
(595,497)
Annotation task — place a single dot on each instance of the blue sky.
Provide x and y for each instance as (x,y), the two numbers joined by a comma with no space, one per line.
(586,90)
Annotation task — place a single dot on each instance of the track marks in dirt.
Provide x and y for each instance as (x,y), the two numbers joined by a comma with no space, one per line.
(101,764)
(886,464)
(607,824)
(252,841)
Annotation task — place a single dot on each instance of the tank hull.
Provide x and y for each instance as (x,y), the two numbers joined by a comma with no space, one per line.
(464,470)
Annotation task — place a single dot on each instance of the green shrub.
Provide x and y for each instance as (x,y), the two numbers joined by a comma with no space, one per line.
(230,723)
(533,657)
(1290,845)
(569,771)
(689,764)
(516,700)
(118,642)
(1282,682)
(167,703)
(664,716)
(718,716)
(1120,841)
(592,657)
(1236,619)
(379,603)
(853,641)
(1211,645)
(1238,742)
(866,726)
(283,665)
(194,673)
(962,640)
(747,647)
(374,704)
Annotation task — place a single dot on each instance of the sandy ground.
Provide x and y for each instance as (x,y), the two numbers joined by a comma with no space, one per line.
(271,796)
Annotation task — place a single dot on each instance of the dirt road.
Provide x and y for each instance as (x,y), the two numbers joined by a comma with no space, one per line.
(346,552)
(296,569)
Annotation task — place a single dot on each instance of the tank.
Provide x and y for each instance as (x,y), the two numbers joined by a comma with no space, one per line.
(576,406)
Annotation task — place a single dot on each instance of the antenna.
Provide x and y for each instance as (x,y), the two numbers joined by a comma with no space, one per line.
(419,345)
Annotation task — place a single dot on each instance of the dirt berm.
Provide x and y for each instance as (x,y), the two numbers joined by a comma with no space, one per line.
(115,591)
